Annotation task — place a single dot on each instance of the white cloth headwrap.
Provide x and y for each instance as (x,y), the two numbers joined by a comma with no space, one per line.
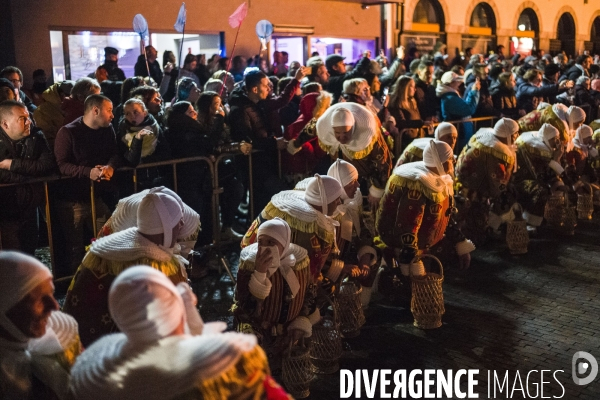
(583,132)
(575,114)
(323,190)
(279,230)
(432,156)
(342,117)
(344,172)
(443,129)
(20,274)
(560,110)
(125,215)
(159,213)
(546,133)
(505,128)
(145,304)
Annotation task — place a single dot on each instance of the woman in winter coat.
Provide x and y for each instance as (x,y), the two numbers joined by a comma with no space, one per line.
(454,108)
(504,96)
(303,149)
(403,107)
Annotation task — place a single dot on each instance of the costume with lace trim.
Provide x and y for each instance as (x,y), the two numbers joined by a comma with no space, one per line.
(310,228)
(209,366)
(87,297)
(415,210)
(39,368)
(270,316)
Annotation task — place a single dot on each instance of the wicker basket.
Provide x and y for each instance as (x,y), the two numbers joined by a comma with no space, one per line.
(555,210)
(517,237)
(326,347)
(352,317)
(427,303)
(297,371)
(585,204)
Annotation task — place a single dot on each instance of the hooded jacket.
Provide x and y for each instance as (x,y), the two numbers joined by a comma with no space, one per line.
(49,115)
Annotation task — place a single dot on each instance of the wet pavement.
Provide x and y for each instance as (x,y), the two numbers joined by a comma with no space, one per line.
(507,313)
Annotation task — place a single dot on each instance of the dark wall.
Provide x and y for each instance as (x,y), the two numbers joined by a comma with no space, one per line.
(7,41)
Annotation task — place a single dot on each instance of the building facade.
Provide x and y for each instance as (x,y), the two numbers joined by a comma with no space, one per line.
(67,36)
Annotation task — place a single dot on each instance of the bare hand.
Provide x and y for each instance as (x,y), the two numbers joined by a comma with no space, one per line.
(245,148)
(373,203)
(107,172)
(264,259)
(301,73)
(143,132)
(221,111)
(5,164)
(464,261)
(400,52)
(476,86)
(558,153)
(96,173)
(168,68)
(352,270)
(367,53)
(281,143)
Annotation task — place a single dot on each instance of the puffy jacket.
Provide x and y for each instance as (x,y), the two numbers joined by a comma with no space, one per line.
(454,108)
(529,96)
(31,158)
(505,101)
(49,116)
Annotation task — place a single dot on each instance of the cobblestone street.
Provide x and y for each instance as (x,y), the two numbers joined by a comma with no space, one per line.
(524,313)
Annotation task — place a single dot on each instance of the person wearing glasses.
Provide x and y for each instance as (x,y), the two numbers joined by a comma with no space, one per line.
(15,76)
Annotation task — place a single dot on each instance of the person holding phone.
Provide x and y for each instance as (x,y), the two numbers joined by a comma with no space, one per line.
(338,74)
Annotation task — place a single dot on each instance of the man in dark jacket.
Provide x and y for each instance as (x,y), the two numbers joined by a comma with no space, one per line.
(551,74)
(86,149)
(111,59)
(337,73)
(427,101)
(24,154)
(15,76)
(582,64)
(249,123)
(141,69)
(531,93)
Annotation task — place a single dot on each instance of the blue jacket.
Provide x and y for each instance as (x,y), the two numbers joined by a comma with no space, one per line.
(454,108)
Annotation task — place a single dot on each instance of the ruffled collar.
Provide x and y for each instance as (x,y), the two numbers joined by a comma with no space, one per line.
(417,171)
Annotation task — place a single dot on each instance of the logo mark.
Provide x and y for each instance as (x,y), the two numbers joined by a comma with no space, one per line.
(584,363)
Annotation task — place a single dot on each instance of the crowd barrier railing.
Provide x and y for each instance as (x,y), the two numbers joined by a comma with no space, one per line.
(213,165)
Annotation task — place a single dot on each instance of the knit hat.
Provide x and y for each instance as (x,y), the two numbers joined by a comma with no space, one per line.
(505,128)
(333,59)
(435,154)
(20,275)
(343,171)
(551,69)
(342,117)
(159,213)
(450,77)
(443,129)
(323,190)
(145,304)
(110,50)
(575,114)
(6,83)
(547,132)
(278,229)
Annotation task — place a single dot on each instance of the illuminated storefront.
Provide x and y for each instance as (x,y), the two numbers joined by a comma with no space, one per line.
(481,35)
(428,24)
(525,40)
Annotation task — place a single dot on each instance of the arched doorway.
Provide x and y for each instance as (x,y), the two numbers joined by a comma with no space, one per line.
(428,25)
(526,34)
(481,35)
(595,35)
(566,33)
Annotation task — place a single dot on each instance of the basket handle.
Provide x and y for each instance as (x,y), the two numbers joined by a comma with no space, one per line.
(420,257)
(519,206)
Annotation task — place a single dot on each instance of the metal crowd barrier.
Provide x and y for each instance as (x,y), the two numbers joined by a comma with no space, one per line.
(216,191)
